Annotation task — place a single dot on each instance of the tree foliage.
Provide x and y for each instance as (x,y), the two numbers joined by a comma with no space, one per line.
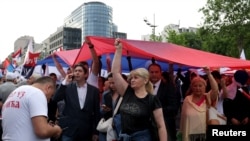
(225,29)
(227,22)
(188,39)
(156,38)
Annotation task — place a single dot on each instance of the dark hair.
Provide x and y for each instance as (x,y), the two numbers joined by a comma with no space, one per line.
(44,80)
(166,76)
(124,77)
(53,74)
(84,63)
(241,76)
(216,74)
(154,64)
(110,75)
(82,66)
(102,78)
(193,74)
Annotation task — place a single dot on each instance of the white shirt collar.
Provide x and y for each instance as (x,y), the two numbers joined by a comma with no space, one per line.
(84,86)
(157,84)
(156,87)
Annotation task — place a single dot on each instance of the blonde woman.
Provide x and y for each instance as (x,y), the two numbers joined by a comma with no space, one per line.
(136,109)
(193,116)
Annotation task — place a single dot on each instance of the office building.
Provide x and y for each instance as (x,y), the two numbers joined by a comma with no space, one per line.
(65,38)
(95,19)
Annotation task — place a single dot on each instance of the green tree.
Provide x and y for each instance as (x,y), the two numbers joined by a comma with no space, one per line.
(227,24)
(216,43)
(192,40)
(188,39)
(175,38)
(156,38)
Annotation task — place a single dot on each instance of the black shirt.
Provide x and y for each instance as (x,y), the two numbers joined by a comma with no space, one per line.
(135,112)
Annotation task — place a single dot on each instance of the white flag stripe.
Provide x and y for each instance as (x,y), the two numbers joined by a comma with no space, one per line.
(242,55)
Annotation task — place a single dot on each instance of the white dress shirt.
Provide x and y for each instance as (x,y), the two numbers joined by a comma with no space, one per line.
(81,91)
(156,87)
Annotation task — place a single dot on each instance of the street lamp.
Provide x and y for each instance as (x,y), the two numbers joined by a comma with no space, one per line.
(153,26)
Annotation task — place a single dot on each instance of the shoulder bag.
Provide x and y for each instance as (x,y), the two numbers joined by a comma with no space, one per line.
(115,126)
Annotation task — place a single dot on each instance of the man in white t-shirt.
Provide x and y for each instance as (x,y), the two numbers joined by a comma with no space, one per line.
(25,113)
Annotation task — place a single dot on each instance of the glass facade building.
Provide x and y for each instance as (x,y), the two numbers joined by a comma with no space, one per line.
(94,18)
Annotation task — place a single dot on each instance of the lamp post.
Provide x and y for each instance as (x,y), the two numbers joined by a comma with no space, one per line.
(153,26)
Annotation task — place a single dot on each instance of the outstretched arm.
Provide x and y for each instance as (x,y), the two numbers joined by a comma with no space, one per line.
(95,65)
(223,87)
(120,84)
(58,66)
(214,86)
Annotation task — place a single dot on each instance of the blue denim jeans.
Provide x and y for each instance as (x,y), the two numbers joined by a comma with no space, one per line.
(102,136)
(137,136)
(66,138)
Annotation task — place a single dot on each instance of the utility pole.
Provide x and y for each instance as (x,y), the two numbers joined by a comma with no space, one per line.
(153,26)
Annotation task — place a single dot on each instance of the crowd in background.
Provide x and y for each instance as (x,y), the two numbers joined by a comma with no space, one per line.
(76,104)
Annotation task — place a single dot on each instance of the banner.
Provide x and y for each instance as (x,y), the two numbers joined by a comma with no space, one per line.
(29,65)
(8,66)
(17,56)
(32,59)
(29,61)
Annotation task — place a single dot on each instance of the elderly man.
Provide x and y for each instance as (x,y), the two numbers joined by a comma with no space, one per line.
(7,87)
(25,113)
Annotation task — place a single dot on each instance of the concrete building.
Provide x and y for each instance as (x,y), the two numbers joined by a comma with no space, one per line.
(171,27)
(177,29)
(23,42)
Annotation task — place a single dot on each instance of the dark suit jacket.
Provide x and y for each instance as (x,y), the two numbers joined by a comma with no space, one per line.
(79,122)
(169,99)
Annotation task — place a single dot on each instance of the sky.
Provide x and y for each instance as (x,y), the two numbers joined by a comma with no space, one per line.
(40,18)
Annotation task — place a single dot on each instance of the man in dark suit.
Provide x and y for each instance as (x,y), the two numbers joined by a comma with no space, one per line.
(82,109)
(165,90)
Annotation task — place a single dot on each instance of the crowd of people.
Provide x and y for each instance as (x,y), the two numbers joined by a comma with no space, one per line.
(42,109)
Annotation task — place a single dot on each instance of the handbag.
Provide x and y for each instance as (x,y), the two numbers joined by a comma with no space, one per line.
(112,132)
(104,124)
